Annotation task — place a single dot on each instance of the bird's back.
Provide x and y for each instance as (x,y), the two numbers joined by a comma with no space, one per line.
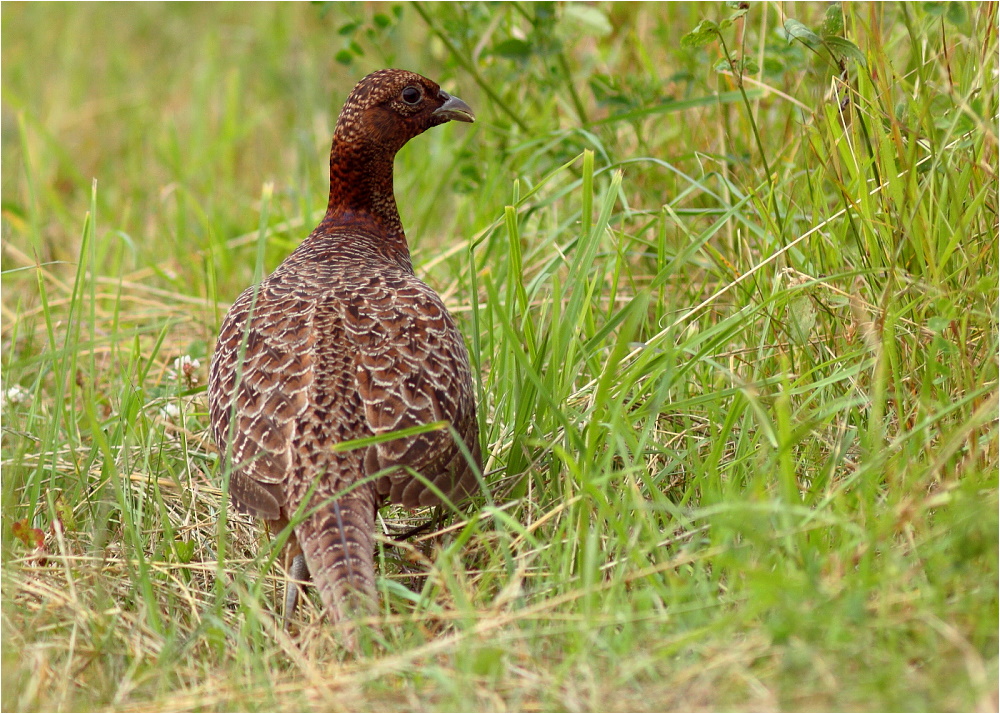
(341,343)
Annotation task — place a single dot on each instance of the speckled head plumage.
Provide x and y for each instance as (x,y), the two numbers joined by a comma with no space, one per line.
(391,106)
(384,111)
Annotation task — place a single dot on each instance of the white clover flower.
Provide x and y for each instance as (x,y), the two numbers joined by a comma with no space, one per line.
(14,395)
(170,410)
(185,368)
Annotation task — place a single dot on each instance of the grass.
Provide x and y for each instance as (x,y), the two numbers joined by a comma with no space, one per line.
(735,333)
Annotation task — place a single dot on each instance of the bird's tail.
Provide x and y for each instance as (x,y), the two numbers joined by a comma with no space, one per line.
(338,542)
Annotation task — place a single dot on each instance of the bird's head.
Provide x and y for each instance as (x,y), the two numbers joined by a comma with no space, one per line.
(389,107)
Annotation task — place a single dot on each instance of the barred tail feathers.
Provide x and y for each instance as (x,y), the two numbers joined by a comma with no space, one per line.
(338,542)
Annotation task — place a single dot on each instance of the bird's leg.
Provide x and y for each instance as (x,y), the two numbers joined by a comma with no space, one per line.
(297,571)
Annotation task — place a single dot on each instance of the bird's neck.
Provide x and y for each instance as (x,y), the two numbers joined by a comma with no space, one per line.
(361,192)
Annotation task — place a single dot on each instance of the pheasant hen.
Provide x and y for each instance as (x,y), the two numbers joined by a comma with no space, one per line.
(341,342)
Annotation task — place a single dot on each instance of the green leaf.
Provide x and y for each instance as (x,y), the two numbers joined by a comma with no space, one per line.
(747,65)
(512,48)
(796,30)
(723,65)
(348,28)
(344,57)
(802,317)
(184,550)
(65,513)
(488,661)
(588,19)
(545,12)
(938,324)
(846,49)
(701,35)
(833,21)
(773,65)
(955,13)
(383,21)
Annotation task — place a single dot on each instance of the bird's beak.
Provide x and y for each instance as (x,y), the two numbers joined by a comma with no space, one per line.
(454,109)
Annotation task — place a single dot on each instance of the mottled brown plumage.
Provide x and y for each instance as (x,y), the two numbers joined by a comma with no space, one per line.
(342,342)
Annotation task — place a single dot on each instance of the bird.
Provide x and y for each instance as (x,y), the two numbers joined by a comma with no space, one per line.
(344,342)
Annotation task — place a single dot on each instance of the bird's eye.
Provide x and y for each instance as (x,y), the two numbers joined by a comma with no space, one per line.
(411,95)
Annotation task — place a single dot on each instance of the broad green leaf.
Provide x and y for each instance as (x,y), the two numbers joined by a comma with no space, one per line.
(723,65)
(846,48)
(588,19)
(833,21)
(513,48)
(701,35)
(795,29)
(955,14)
